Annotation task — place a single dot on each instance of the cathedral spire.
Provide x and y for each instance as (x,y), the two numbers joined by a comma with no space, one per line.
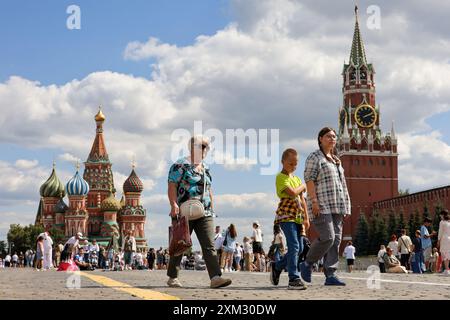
(98,151)
(357,54)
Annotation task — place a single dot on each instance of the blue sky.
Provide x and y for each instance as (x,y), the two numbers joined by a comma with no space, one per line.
(156,66)
(40,47)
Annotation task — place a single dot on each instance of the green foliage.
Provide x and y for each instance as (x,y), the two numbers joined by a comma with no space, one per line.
(23,238)
(393,224)
(362,236)
(417,220)
(401,221)
(411,226)
(377,233)
(57,236)
(3,247)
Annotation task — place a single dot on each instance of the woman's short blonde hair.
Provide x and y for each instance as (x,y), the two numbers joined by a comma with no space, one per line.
(199,140)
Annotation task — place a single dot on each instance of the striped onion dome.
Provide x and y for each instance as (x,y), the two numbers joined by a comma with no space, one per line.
(53,187)
(77,186)
(133,183)
(111,204)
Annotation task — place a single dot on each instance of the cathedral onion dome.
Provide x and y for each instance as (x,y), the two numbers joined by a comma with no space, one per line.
(100,116)
(61,206)
(133,183)
(77,186)
(111,204)
(53,187)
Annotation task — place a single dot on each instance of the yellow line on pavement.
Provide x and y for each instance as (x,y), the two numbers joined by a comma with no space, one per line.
(120,286)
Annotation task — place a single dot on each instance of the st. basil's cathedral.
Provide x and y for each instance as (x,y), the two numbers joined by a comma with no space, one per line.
(93,209)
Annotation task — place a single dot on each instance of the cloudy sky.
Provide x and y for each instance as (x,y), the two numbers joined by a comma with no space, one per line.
(158,66)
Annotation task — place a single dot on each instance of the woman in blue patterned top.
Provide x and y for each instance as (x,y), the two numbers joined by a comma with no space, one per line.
(186,182)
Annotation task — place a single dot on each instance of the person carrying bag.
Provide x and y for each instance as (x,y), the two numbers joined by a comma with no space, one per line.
(190,198)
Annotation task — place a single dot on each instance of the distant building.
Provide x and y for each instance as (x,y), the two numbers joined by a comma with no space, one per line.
(93,208)
(368,155)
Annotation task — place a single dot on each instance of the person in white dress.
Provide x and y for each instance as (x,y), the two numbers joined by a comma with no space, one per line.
(48,250)
(444,239)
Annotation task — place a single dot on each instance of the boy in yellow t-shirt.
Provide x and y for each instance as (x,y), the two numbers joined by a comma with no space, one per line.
(290,215)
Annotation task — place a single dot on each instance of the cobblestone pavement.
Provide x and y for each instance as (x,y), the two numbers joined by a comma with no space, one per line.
(124,285)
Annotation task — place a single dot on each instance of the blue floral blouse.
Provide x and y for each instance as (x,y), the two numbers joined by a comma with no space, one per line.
(190,183)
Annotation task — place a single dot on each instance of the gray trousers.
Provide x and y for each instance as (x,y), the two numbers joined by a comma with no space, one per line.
(329,227)
(204,229)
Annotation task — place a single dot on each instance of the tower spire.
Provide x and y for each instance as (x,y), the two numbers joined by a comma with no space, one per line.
(357,54)
(133,162)
(392,131)
(98,151)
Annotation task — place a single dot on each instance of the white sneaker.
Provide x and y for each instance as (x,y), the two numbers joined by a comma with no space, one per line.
(174,283)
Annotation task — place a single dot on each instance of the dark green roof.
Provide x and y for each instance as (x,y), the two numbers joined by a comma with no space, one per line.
(357,54)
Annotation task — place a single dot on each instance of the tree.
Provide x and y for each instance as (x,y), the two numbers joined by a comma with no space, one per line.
(426,211)
(437,218)
(362,236)
(417,220)
(401,221)
(411,226)
(403,192)
(23,238)
(57,235)
(3,247)
(377,233)
(392,227)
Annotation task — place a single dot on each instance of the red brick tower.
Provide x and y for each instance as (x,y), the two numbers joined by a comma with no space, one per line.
(133,215)
(369,157)
(99,175)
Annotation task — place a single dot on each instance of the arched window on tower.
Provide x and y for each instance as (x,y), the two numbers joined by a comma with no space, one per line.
(388,144)
(353,144)
(376,145)
(364,144)
(352,76)
(363,75)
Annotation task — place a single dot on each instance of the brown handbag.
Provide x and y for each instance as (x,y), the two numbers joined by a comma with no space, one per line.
(179,236)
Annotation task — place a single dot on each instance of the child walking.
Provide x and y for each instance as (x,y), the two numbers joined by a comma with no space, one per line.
(290,215)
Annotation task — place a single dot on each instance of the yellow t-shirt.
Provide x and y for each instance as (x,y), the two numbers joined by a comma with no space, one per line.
(284,181)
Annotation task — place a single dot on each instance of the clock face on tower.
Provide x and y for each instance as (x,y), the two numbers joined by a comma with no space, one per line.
(365,115)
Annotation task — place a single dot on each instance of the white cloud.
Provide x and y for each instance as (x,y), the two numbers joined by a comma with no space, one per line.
(22,164)
(69,158)
(424,161)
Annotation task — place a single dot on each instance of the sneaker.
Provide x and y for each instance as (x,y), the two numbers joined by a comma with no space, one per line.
(174,283)
(296,284)
(274,274)
(334,281)
(219,282)
(306,271)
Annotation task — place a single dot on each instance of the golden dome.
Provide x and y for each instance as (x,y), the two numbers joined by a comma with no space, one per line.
(110,204)
(100,116)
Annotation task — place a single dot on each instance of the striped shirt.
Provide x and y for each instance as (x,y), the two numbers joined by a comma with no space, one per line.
(329,181)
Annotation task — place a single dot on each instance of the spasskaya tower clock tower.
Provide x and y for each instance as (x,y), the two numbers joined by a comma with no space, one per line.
(369,156)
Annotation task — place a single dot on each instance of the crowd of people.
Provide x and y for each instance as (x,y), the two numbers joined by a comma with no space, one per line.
(418,255)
